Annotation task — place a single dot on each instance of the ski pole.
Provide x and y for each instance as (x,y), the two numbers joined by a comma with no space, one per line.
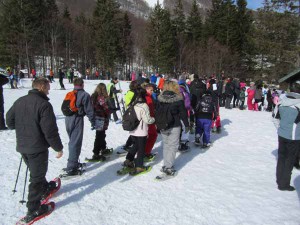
(23,201)
(14,191)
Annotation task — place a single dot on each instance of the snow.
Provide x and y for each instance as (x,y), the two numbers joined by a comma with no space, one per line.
(232,183)
(152,3)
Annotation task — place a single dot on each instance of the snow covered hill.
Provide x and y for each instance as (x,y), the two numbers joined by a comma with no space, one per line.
(232,183)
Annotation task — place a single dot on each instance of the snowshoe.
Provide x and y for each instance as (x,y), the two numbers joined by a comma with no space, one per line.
(140,170)
(219,130)
(107,151)
(72,173)
(125,170)
(96,158)
(208,145)
(184,146)
(150,157)
(42,212)
(167,173)
(197,141)
(53,187)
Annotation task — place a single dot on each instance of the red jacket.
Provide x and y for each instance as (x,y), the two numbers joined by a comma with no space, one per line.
(150,104)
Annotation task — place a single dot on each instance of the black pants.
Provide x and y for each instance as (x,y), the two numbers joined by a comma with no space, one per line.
(2,121)
(113,109)
(38,165)
(287,153)
(242,105)
(61,83)
(100,143)
(236,99)
(139,144)
(129,141)
(228,101)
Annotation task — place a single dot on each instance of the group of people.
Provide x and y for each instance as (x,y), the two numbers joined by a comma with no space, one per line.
(174,108)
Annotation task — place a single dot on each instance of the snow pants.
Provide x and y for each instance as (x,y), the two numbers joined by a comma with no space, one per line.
(152,136)
(217,122)
(203,127)
(100,143)
(38,165)
(138,148)
(228,101)
(113,109)
(170,139)
(74,127)
(288,151)
(250,104)
(2,121)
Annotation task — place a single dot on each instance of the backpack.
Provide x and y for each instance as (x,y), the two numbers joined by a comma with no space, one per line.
(130,121)
(205,104)
(163,116)
(68,106)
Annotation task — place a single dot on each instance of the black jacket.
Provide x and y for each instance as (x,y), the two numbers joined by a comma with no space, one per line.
(3,80)
(229,89)
(177,108)
(33,119)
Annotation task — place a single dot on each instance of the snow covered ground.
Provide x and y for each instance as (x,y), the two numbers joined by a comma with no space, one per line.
(231,183)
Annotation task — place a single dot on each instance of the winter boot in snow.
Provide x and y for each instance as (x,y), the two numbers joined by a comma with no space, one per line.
(183,146)
(197,140)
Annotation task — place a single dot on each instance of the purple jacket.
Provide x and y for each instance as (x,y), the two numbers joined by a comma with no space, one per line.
(186,97)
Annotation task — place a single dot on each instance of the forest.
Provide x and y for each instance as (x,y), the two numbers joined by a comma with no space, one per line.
(230,38)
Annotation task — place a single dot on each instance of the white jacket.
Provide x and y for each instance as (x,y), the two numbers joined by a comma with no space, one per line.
(143,114)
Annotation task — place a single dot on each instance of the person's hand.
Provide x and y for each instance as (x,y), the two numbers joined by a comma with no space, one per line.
(59,154)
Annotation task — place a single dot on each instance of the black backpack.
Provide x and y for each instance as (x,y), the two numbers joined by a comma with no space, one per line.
(130,121)
(205,104)
(163,116)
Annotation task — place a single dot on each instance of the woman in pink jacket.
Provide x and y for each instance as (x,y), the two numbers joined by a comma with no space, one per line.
(251,93)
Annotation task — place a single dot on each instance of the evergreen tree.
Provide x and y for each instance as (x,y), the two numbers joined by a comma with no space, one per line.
(160,51)
(106,22)
(180,29)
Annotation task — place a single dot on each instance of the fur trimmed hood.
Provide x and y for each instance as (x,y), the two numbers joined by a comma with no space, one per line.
(169,97)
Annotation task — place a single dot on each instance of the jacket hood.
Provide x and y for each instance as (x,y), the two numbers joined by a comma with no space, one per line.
(290,99)
(169,97)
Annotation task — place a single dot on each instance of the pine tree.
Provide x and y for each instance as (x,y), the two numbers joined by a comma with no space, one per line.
(179,22)
(106,20)
(160,51)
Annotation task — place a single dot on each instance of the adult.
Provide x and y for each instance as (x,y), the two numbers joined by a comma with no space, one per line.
(33,141)
(288,136)
(75,126)
(236,93)
(251,94)
(172,98)
(3,80)
(229,91)
(61,76)
(113,98)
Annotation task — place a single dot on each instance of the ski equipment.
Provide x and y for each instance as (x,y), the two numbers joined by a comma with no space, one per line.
(57,182)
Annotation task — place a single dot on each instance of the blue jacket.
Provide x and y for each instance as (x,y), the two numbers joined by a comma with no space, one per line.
(289,110)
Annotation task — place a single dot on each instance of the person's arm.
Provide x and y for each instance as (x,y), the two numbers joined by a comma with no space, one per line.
(88,108)
(10,118)
(145,114)
(183,113)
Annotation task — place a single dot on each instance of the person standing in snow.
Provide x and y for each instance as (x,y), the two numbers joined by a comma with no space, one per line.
(139,135)
(112,92)
(75,126)
(172,98)
(99,101)
(3,80)
(61,76)
(251,94)
(288,136)
(33,119)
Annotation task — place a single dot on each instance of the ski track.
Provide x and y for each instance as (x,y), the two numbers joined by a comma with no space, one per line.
(231,183)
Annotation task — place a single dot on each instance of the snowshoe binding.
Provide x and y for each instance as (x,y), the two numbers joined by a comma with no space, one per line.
(140,170)
(53,187)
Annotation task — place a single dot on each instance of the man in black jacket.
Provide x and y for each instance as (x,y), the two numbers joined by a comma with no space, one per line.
(33,119)
(3,80)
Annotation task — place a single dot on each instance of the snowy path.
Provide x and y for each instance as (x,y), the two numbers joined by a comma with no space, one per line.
(232,183)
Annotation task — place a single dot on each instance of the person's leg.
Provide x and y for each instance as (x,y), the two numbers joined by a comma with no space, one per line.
(74,127)
(38,166)
(140,145)
(2,120)
(152,136)
(206,129)
(287,153)
(132,151)
(97,143)
(170,148)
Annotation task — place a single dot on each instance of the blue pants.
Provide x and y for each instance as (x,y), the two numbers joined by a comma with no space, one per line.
(203,127)
(74,127)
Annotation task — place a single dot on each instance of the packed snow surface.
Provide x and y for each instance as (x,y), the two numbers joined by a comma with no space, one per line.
(231,183)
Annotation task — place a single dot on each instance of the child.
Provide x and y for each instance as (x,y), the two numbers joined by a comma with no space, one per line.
(99,101)
(242,98)
(204,112)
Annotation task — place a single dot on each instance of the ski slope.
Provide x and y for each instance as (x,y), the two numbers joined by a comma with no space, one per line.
(232,183)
